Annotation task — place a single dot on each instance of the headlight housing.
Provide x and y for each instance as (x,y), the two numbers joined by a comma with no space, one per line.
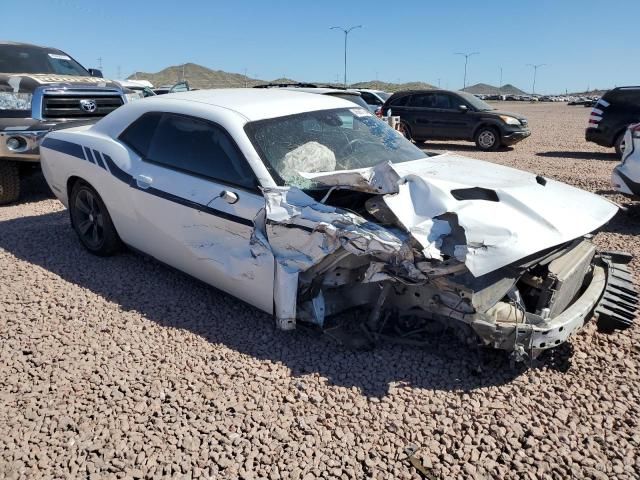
(133,96)
(15,101)
(510,120)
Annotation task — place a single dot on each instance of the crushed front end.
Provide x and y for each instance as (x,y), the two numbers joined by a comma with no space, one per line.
(522,309)
(501,264)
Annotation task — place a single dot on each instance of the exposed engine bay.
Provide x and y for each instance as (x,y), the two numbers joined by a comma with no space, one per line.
(373,244)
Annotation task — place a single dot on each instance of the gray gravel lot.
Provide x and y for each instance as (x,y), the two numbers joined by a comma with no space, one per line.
(119,368)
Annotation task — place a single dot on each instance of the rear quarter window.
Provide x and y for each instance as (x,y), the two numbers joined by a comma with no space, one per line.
(138,135)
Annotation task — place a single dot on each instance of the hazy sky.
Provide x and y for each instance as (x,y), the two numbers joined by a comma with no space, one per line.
(585,43)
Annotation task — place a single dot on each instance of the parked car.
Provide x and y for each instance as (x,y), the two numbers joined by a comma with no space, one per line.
(626,176)
(175,88)
(612,115)
(143,87)
(353,96)
(306,205)
(447,115)
(41,89)
(374,98)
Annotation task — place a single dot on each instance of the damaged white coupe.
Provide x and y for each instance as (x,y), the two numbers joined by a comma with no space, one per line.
(308,208)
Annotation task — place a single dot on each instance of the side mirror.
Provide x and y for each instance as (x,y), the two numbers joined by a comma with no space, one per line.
(94,72)
(463,108)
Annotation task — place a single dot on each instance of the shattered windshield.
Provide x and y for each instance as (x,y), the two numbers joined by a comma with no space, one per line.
(326,141)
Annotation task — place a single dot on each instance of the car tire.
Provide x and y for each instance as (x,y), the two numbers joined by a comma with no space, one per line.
(9,182)
(487,139)
(619,144)
(91,221)
(405,130)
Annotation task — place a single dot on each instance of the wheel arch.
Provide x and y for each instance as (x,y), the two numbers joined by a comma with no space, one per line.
(71,181)
(408,126)
(486,123)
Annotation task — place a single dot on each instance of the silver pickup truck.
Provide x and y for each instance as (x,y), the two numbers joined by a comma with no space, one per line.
(43,89)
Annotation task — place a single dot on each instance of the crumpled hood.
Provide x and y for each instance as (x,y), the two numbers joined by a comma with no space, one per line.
(506,214)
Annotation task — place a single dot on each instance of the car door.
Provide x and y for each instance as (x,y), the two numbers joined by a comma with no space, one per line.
(422,115)
(196,199)
(448,121)
(398,107)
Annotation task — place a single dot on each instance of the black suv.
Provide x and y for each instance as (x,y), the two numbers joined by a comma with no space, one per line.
(611,115)
(446,115)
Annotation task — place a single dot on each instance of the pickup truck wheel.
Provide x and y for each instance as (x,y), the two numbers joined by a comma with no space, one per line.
(9,182)
(619,145)
(487,139)
(92,222)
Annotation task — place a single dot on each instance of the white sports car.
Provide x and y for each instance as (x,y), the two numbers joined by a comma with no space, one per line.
(305,206)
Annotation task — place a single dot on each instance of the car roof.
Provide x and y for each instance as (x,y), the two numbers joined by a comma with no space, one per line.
(322,90)
(370,90)
(259,104)
(21,44)
(428,90)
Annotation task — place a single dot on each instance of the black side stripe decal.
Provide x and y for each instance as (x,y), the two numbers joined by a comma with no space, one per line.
(106,162)
(98,160)
(62,146)
(117,171)
(87,154)
(188,203)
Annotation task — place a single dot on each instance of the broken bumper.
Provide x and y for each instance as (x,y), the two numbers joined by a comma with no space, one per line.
(610,294)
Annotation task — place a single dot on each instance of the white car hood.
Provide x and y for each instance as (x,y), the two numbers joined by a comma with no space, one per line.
(531,213)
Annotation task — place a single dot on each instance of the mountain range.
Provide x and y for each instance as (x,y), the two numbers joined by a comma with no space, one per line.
(485,89)
(203,77)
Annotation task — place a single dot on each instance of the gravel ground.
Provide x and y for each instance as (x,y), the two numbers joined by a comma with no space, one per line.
(121,368)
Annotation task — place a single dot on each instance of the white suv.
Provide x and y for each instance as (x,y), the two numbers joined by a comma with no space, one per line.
(374,98)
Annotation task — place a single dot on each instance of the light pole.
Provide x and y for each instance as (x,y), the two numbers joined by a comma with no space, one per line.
(500,84)
(535,72)
(346,34)
(466,60)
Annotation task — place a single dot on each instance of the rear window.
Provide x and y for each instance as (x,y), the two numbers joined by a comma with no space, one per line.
(623,97)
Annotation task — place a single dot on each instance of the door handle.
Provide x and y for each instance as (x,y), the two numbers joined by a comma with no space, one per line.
(144,181)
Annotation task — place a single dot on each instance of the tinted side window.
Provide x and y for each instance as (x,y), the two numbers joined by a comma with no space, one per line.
(199,147)
(424,100)
(401,101)
(138,135)
(444,101)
